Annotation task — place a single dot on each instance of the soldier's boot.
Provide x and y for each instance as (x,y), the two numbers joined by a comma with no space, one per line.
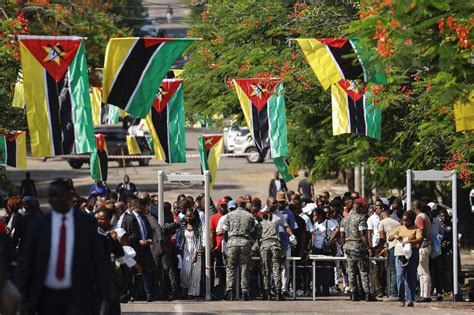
(246,296)
(369,297)
(230,295)
(355,295)
(279,296)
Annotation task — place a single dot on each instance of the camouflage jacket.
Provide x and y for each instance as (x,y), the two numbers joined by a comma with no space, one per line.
(353,225)
(267,234)
(240,226)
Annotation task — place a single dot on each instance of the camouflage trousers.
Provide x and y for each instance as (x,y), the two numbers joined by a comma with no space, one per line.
(239,256)
(271,262)
(358,268)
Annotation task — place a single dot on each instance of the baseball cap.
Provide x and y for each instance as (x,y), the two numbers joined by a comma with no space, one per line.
(222,201)
(232,204)
(280,196)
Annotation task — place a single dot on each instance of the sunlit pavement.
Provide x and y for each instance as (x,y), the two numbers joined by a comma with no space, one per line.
(332,305)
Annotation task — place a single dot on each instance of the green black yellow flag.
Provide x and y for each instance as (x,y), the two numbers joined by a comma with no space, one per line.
(13,149)
(166,122)
(56,86)
(139,145)
(134,68)
(263,104)
(210,149)
(99,159)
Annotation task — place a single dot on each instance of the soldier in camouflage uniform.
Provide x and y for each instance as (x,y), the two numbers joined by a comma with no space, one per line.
(356,247)
(270,252)
(239,227)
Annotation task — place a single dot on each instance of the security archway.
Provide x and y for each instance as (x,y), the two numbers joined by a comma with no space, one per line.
(204,178)
(438,176)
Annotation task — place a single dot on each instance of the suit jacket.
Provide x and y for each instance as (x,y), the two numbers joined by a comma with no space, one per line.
(143,252)
(272,190)
(90,272)
(159,237)
(130,225)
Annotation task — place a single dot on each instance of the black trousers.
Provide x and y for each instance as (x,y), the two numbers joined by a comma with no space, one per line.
(60,302)
(165,262)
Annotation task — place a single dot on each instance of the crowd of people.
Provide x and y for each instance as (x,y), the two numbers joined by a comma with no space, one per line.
(89,255)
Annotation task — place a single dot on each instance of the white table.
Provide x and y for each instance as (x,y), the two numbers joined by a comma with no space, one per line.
(315,258)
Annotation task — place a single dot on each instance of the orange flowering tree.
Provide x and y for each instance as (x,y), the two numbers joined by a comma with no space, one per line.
(426,47)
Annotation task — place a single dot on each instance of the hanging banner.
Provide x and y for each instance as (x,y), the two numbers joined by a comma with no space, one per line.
(263,104)
(56,87)
(210,149)
(166,122)
(13,149)
(99,159)
(134,69)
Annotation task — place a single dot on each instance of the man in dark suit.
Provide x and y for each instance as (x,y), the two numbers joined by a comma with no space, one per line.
(161,252)
(126,189)
(62,267)
(129,223)
(277,184)
(144,256)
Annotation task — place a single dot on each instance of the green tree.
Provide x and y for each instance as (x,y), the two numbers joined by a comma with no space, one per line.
(426,49)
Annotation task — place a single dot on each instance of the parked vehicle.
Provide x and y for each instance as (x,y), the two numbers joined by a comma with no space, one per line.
(245,144)
(116,139)
(231,134)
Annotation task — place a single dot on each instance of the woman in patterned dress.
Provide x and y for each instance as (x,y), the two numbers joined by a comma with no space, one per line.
(191,250)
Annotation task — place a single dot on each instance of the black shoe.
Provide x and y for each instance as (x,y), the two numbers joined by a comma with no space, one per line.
(355,297)
(425,300)
(174,296)
(245,296)
(279,296)
(370,298)
(230,296)
(149,298)
(266,295)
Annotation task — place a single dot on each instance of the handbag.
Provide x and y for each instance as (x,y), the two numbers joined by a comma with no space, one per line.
(329,247)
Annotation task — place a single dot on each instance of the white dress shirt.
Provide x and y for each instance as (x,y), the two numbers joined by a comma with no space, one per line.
(142,226)
(120,220)
(56,221)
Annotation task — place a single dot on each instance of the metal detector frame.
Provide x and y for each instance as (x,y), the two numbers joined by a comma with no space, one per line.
(438,176)
(162,178)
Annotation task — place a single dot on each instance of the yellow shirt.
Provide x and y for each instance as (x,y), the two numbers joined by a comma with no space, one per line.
(409,233)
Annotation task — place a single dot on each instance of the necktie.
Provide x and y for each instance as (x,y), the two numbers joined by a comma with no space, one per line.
(60,263)
(143,227)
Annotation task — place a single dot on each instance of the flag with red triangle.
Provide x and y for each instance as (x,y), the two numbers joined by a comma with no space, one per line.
(166,122)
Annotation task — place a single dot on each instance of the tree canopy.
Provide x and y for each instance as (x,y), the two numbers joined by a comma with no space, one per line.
(423,45)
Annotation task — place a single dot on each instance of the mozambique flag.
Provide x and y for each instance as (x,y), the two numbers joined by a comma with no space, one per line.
(19,94)
(134,68)
(210,149)
(336,60)
(99,159)
(96,103)
(58,107)
(166,122)
(139,145)
(13,149)
(464,114)
(263,105)
(354,113)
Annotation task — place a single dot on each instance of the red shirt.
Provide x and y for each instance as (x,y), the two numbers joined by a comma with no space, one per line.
(218,238)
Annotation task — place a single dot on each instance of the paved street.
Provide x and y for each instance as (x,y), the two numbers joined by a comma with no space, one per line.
(339,305)
(235,177)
